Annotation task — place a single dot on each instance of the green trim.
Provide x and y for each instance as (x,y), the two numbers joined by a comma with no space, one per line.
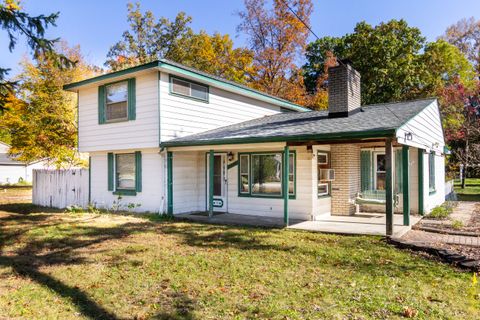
(169,183)
(110,171)
(432,192)
(250,194)
(232,165)
(285,183)
(406,185)
(211,167)
(101,105)
(131,98)
(339,136)
(138,171)
(200,76)
(125,192)
(170,89)
(111,75)
(389,154)
(89,179)
(421,193)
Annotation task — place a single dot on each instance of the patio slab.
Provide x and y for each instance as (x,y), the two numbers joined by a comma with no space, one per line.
(360,224)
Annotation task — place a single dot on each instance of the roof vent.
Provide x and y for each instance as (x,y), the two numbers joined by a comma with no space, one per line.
(343,90)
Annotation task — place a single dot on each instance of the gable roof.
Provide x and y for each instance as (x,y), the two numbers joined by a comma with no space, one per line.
(170,66)
(5,159)
(379,120)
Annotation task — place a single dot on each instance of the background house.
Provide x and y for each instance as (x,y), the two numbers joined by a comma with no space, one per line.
(13,171)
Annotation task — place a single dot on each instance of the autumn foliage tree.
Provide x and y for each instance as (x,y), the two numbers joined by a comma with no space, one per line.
(150,39)
(277,38)
(41,116)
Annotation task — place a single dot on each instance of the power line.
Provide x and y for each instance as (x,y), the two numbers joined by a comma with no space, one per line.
(306,26)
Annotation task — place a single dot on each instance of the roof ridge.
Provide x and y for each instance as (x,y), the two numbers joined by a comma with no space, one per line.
(398,102)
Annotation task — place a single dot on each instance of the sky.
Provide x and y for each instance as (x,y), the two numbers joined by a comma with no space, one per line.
(96,25)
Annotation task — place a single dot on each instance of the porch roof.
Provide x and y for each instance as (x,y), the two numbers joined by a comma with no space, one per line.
(373,121)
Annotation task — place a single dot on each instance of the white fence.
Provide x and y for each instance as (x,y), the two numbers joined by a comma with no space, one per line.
(60,188)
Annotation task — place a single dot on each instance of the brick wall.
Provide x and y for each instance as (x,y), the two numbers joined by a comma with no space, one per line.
(346,162)
(343,89)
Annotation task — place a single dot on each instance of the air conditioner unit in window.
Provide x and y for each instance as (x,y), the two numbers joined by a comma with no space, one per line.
(327,174)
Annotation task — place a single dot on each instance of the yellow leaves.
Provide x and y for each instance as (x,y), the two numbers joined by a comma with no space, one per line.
(13,5)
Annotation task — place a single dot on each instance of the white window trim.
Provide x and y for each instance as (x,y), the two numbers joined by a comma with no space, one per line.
(106,103)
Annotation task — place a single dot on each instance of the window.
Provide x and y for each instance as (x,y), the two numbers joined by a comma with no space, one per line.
(244,173)
(380,171)
(188,89)
(116,101)
(431,172)
(323,185)
(125,171)
(260,174)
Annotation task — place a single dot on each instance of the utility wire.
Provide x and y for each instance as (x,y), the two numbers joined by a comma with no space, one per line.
(306,26)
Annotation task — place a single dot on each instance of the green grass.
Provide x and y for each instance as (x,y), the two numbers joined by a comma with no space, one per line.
(94,266)
(471,191)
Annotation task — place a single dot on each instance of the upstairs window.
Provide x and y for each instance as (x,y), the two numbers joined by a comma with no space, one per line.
(116,102)
(188,89)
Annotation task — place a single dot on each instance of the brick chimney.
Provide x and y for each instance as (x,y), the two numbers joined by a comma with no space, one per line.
(343,90)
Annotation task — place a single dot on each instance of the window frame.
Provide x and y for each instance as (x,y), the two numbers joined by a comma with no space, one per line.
(256,195)
(173,77)
(375,171)
(127,118)
(115,169)
(431,173)
(328,183)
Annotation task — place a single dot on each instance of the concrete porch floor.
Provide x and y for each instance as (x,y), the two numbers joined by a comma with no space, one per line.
(359,224)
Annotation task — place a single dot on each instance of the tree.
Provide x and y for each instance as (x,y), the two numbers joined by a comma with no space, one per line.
(465,35)
(41,117)
(277,37)
(149,40)
(17,22)
(385,55)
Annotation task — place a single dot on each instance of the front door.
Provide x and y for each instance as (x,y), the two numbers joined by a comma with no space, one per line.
(219,182)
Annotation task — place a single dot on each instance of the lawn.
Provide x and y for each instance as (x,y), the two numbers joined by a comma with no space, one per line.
(63,266)
(471,191)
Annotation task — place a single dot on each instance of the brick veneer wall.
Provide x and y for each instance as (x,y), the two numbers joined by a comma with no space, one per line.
(346,162)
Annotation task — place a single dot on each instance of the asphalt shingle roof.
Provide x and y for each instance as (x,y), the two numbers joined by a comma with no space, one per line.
(6,159)
(297,126)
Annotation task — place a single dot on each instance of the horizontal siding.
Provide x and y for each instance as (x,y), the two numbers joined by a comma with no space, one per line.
(182,116)
(150,198)
(186,185)
(426,128)
(140,133)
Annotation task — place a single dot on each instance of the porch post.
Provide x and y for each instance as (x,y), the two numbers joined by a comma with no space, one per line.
(286,166)
(211,159)
(169,183)
(421,195)
(389,186)
(406,185)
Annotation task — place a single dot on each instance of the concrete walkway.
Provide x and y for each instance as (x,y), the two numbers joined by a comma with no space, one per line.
(360,224)
(423,237)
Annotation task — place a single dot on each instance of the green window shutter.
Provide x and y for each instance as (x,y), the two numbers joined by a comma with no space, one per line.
(131,99)
(138,171)
(101,104)
(110,171)
(366,176)
(398,171)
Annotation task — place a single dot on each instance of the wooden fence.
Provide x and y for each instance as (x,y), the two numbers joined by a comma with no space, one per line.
(60,188)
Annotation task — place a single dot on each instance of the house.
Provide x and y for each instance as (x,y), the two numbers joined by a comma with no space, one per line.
(13,171)
(176,140)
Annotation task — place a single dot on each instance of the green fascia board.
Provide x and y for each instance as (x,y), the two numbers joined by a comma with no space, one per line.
(111,75)
(316,137)
(165,65)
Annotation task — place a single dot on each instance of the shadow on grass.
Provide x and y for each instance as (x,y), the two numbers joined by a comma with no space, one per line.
(28,260)
(26,208)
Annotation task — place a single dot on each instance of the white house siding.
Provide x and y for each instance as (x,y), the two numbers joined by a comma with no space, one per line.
(320,205)
(151,197)
(426,129)
(140,133)
(183,116)
(438,197)
(12,174)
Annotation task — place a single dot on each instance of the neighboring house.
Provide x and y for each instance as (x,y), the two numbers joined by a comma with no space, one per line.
(177,140)
(13,171)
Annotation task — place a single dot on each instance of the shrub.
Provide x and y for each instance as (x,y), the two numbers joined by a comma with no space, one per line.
(457,224)
(440,212)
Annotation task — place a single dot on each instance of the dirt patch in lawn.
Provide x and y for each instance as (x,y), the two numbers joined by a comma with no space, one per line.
(465,218)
